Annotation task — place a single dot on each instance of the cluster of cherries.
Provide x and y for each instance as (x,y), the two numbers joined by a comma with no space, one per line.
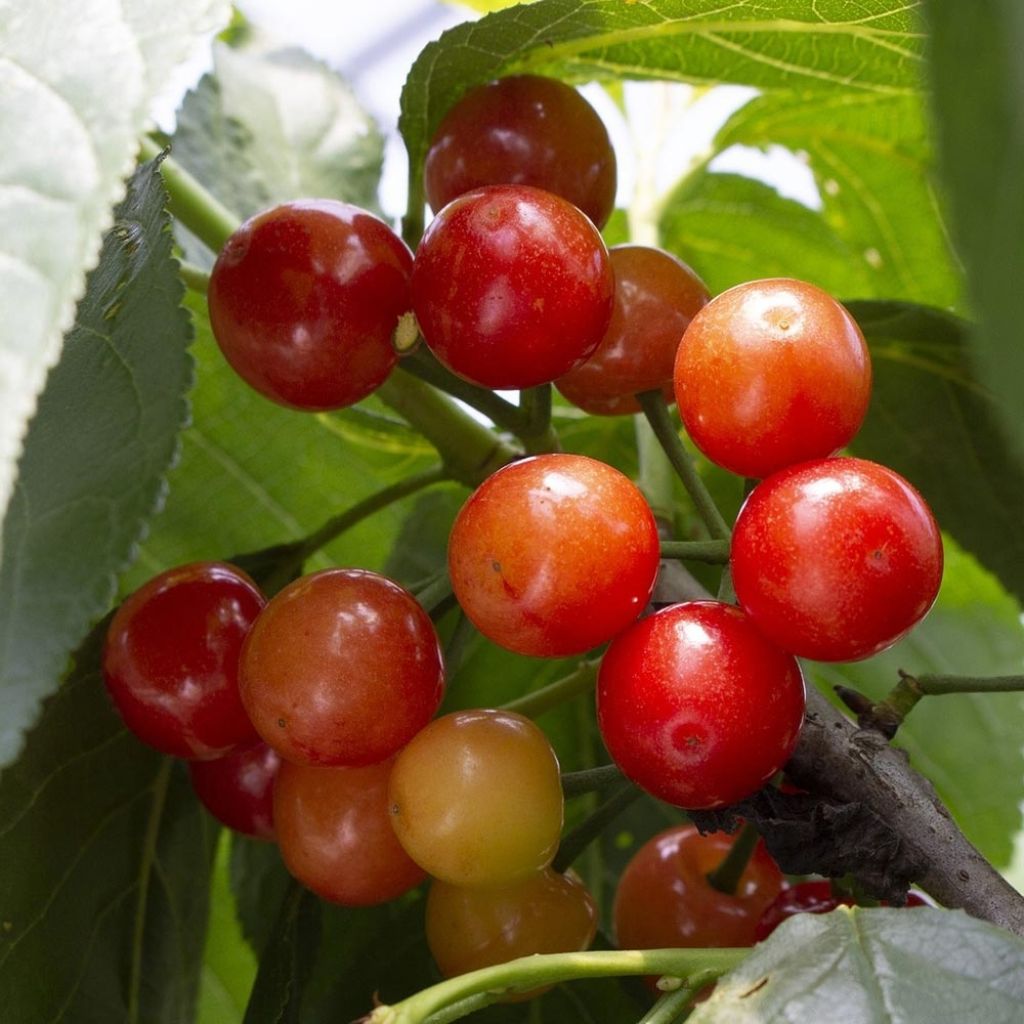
(309,717)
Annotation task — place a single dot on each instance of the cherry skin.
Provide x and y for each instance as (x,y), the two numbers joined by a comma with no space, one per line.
(304,299)
(335,833)
(512,286)
(664,898)
(553,555)
(342,668)
(547,912)
(171,659)
(238,789)
(836,559)
(771,373)
(524,130)
(697,707)
(476,798)
(656,297)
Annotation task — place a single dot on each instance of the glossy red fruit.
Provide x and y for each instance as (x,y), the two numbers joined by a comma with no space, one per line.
(771,373)
(476,798)
(238,789)
(335,834)
(553,555)
(836,559)
(342,668)
(656,297)
(512,286)
(524,130)
(304,299)
(697,707)
(171,659)
(810,898)
(468,929)
(664,899)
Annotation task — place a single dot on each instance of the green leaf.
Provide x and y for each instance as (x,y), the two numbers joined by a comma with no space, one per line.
(732,229)
(873,47)
(258,880)
(933,422)
(967,744)
(269,127)
(77,81)
(871,160)
(980,145)
(96,455)
(287,962)
(105,856)
(854,966)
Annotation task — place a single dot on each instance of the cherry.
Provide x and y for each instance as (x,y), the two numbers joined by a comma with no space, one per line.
(553,555)
(238,789)
(664,898)
(546,912)
(304,299)
(656,297)
(524,130)
(171,659)
(696,706)
(476,798)
(836,559)
(512,286)
(810,898)
(342,668)
(771,373)
(335,833)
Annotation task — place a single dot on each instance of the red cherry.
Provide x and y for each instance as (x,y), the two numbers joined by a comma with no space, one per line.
(664,898)
(836,559)
(238,789)
(342,668)
(656,297)
(524,130)
(553,555)
(771,373)
(171,659)
(696,706)
(512,286)
(304,299)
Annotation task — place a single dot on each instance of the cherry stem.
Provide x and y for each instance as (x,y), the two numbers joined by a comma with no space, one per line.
(196,279)
(590,779)
(581,680)
(458,644)
(536,433)
(550,968)
(726,877)
(668,1008)
(579,838)
(656,411)
(436,596)
(196,207)
(715,552)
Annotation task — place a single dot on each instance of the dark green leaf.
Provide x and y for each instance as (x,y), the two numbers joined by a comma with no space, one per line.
(265,128)
(104,435)
(918,966)
(873,47)
(104,869)
(968,744)
(933,422)
(259,881)
(977,103)
(287,961)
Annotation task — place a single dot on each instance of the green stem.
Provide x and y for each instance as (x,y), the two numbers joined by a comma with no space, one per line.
(335,526)
(656,411)
(726,877)
(537,434)
(463,1008)
(203,214)
(196,279)
(436,594)
(551,696)
(469,450)
(590,779)
(549,968)
(577,840)
(715,552)
(458,643)
(670,1006)
(655,478)
(936,685)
